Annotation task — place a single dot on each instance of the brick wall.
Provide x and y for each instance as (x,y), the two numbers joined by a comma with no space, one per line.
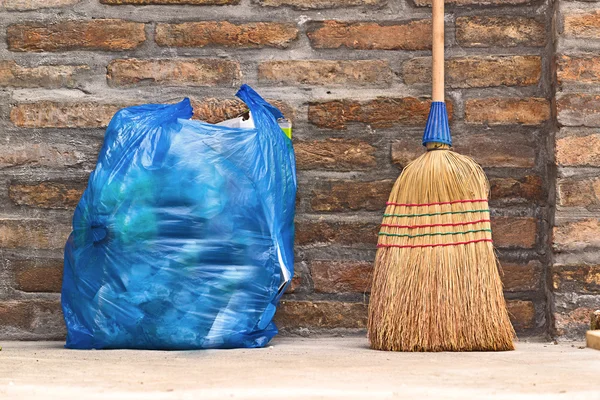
(576,233)
(354,77)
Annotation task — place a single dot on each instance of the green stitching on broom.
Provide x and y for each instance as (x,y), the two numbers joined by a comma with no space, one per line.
(438,213)
(433,234)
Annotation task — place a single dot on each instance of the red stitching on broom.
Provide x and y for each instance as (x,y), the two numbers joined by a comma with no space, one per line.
(412,246)
(433,225)
(389,203)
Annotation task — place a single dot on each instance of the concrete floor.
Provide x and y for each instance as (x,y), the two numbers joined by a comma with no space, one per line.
(298,368)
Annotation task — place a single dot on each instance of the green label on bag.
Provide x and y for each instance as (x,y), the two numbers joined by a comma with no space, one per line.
(286,127)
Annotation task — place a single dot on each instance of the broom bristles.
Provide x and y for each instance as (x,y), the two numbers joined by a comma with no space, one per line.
(436,283)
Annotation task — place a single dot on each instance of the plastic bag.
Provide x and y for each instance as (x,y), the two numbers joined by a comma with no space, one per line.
(183,238)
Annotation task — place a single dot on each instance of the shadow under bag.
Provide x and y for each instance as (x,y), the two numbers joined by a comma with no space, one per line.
(183,238)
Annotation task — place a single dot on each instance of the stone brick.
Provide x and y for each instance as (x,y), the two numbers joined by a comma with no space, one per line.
(423,3)
(480,31)
(512,232)
(342,233)
(488,150)
(321,315)
(47,194)
(413,35)
(350,195)
(48,114)
(48,76)
(40,155)
(521,277)
(26,5)
(577,69)
(572,323)
(213,110)
(578,151)
(323,4)
(38,275)
(574,192)
(223,33)
(379,113)
(529,188)
(171,2)
(33,317)
(507,111)
(97,34)
(478,71)
(182,72)
(576,278)
(522,313)
(326,72)
(582,25)
(33,234)
(297,282)
(334,154)
(578,109)
(577,235)
(342,276)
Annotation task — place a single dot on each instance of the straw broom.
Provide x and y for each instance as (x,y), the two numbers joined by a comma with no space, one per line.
(436,283)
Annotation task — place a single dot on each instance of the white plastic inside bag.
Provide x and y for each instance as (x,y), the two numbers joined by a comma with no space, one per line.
(238,122)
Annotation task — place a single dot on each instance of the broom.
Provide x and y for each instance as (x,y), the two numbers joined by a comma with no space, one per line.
(436,282)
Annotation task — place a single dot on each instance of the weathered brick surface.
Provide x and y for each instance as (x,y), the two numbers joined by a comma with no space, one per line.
(26,5)
(33,234)
(48,194)
(573,192)
(578,150)
(31,319)
(577,235)
(350,195)
(573,314)
(47,114)
(514,231)
(582,24)
(292,315)
(578,109)
(322,4)
(39,275)
(522,313)
(423,3)
(478,71)
(184,72)
(341,233)
(326,72)
(223,33)
(335,154)
(522,277)
(485,149)
(507,111)
(170,2)
(213,110)
(100,34)
(483,31)
(342,276)
(412,35)
(576,278)
(529,188)
(578,69)
(48,76)
(41,155)
(379,113)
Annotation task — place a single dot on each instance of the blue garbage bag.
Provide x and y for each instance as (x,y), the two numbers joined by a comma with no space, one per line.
(183,238)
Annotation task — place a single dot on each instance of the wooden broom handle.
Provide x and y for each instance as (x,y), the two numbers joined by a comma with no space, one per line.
(437,71)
